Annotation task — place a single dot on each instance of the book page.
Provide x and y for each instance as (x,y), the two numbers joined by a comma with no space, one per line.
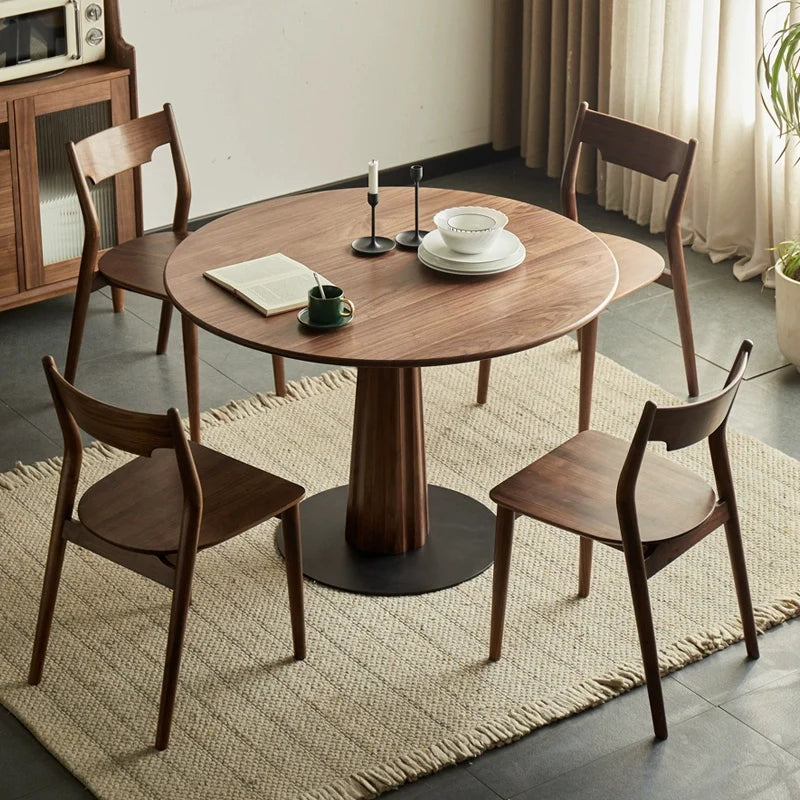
(271,284)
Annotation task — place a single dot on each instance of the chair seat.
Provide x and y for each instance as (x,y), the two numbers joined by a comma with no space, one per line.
(138,264)
(139,506)
(638,264)
(574,487)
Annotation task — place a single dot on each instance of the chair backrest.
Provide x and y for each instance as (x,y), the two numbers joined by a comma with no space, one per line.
(684,425)
(133,431)
(629,145)
(681,426)
(123,147)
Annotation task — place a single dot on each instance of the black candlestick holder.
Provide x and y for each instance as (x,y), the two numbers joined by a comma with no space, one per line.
(373,245)
(413,239)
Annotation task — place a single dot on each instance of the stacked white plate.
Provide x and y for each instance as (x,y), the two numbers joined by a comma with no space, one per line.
(506,252)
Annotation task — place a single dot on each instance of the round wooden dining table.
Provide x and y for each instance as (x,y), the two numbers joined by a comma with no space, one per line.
(387,531)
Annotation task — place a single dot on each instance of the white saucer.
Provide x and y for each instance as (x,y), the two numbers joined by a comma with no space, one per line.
(455,267)
(503,246)
(481,269)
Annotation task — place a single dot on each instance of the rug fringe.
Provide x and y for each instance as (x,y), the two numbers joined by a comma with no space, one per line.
(524,720)
(302,389)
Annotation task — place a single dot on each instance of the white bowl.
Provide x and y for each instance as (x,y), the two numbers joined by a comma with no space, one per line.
(470,229)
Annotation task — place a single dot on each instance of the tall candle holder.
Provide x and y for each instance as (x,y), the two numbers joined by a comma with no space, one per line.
(413,239)
(373,245)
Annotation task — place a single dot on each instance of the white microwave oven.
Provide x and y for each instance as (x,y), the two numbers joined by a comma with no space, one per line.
(39,36)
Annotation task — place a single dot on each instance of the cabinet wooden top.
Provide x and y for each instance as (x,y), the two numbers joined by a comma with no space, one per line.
(68,79)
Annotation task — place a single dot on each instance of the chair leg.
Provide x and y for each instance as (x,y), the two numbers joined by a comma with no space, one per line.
(117,299)
(585,566)
(52,578)
(681,291)
(503,539)
(191,363)
(736,554)
(588,348)
(79,312)
(484,368)
(294,576)
(279,375)
(163,327)
(637,577)
(181,599)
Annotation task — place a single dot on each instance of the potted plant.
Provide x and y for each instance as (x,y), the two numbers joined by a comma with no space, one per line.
(779,70)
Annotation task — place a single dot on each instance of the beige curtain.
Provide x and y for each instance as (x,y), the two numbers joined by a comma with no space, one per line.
(684,66)
(689,67)
(549,55)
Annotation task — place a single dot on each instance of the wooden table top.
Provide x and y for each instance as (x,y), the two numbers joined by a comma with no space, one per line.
(406,314)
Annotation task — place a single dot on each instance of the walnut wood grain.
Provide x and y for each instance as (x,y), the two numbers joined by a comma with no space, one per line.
(624,495)
(387,509)
(30,221)
(407,316)
(155,512)
(8,240)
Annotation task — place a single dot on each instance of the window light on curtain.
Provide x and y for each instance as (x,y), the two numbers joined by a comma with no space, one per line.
(687,67)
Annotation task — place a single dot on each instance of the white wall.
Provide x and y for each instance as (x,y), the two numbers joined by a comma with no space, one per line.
(272,96)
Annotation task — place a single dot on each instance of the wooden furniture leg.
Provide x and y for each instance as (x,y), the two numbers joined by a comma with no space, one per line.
(736,554)
(191,361)
(387,509)
(181,599)
(586,547)
(52,576)
(587,339)
(163,327)
(279,375)
(118,299)
(484,369)
(588,349)
(637,577)
(290,520)
(387,532)
(79,311)
(681,291)
(504,536)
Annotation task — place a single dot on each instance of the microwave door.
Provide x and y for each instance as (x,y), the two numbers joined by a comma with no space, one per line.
(44,34)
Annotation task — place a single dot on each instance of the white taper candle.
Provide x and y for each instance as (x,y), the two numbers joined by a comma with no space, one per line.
(373,176)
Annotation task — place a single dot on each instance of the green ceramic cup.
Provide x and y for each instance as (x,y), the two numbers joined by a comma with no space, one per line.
(331,309)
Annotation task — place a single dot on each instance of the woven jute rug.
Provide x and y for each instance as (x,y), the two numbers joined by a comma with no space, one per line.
(393,688)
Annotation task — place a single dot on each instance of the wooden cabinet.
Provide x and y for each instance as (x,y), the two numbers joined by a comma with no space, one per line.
(41,229)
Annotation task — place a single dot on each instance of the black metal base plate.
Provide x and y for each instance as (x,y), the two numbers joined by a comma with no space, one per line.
(460,545)
(410,239)
(369,246)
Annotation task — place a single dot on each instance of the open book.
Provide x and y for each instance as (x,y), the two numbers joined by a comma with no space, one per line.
(271,284)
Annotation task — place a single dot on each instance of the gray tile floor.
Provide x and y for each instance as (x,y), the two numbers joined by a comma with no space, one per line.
(733,723)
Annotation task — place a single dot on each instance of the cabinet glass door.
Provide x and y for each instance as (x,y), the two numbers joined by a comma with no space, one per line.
(60,212)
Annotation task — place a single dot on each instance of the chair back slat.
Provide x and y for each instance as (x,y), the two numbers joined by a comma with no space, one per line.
(122,147)
(133,431)
(681,426)
(634,146)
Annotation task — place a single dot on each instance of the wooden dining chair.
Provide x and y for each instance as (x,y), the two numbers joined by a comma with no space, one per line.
(659,156)
(136,265)
(154,513)
(627,497)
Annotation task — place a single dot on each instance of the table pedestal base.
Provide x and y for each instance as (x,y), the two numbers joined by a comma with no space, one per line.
(460,545)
